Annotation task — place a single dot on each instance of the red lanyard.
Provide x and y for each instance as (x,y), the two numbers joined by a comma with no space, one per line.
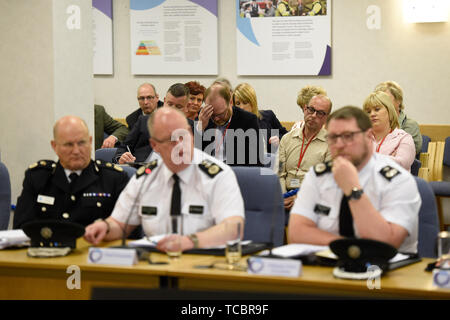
(223,135)
(302,152)
(379,146)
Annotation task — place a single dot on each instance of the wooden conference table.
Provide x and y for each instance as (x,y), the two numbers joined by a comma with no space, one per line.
(22,277)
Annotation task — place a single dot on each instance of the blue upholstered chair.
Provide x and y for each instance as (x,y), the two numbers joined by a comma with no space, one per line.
(425,141)
(442,188)
(5,197)
(428,220)
(105,154)
(263,201)
(415,167)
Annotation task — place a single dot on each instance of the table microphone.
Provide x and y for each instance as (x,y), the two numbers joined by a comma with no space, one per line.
(140,251)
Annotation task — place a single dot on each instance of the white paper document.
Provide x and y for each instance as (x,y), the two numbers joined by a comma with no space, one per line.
(295,249)
(9,238)
(152,241)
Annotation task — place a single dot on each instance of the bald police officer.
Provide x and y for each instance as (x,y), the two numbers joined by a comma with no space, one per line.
(210,194)
(76,188)
(359,194)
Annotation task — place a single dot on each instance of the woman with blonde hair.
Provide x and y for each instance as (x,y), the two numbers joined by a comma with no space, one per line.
(244,97)
(389,139)
(411,126)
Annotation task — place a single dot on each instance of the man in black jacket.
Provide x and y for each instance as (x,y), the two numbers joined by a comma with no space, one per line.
(76,188)
(227,132)
(148,101)
(136,146)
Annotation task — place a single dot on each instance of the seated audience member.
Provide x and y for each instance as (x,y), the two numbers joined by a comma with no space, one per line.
(196,95)
(76,188)
(148,101)
(203,181)
(228,132)
(303,97)
(244,97)
(394,90)
(359,194)
(302,148)
(104,123)
(136,148)
(388,138)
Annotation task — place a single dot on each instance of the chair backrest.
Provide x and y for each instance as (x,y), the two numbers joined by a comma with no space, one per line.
(5,197)
(105,154)
(415,167)
(447,152)
(263,201)
(428,220)
(425,140)
(130,171)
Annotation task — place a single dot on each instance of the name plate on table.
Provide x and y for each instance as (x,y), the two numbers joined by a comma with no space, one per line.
(274,266)
(115,256)
(441,278)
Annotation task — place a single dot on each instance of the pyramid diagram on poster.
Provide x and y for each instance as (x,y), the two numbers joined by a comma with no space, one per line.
(148,47)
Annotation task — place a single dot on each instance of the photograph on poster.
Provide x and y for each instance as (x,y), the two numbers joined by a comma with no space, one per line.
(281,8)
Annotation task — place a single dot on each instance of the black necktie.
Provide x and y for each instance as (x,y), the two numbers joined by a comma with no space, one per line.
(73,179)
(345,219)
(175,207)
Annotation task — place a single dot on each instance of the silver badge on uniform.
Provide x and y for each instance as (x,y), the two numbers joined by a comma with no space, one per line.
(45,199)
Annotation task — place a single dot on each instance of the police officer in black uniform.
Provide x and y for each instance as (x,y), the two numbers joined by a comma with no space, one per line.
(76,188)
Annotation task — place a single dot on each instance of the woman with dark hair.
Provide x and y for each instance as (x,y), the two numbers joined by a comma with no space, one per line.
(196,95)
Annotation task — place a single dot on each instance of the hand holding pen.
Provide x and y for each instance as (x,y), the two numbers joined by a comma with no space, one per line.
(127,157)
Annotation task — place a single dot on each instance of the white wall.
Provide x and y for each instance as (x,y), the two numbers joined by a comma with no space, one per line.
(46,72)
(415,55)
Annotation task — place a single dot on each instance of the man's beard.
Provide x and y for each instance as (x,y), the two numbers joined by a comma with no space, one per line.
(357,161)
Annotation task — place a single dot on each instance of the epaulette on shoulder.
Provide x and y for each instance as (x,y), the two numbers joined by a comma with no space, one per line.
(323,167)
(210,168)
(107,165)
(147,169)
(388,172)
(43,164)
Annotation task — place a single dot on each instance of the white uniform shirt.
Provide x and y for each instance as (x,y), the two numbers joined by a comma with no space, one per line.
(205,200)
(398,200)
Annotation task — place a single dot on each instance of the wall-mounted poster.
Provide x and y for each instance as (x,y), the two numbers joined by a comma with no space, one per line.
(174,37)
(283,37)
(102,36)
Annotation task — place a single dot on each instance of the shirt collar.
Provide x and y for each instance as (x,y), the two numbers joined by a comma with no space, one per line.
(184,175)
(321,135)
(68,172)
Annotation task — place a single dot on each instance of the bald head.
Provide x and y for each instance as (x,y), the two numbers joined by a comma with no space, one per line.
(147,98)
(171,137)
(72,143)
(69,123)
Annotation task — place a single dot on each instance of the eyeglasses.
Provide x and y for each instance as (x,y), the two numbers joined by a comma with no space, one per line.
(347,137)
(319,113)
(147,97)
(220,115)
